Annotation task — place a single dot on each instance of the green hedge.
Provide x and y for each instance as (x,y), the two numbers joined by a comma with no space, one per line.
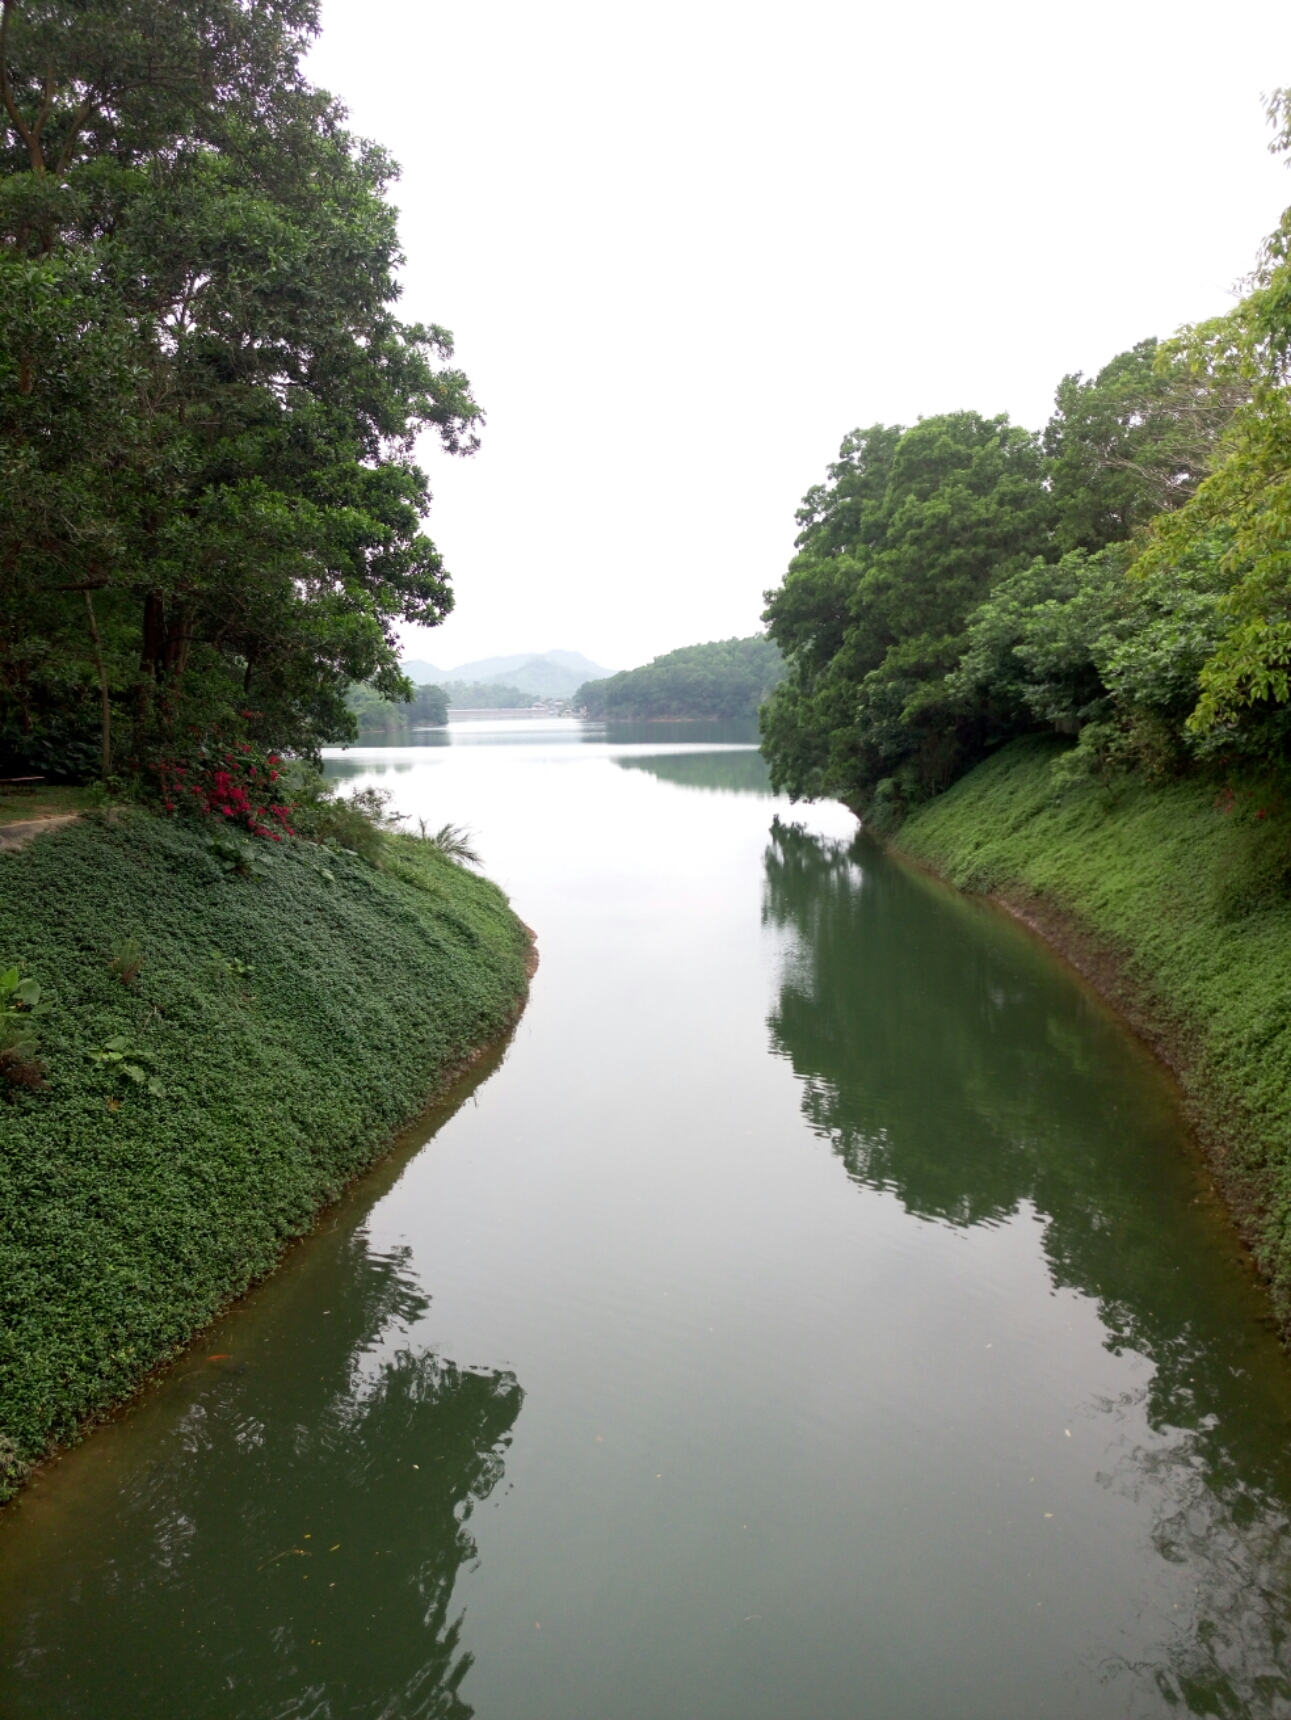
(293,1021)
(1187,885)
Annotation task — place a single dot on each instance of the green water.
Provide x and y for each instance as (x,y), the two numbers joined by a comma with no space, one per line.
(816,1312)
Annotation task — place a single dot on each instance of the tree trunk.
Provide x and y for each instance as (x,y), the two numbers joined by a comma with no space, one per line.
(106,702)
(146,682)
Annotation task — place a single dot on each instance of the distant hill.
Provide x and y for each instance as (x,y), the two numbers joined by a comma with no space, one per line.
(544,675)
(423,674)
(724,679)
(486,696)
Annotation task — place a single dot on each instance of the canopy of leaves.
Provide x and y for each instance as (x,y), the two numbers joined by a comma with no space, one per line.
(1240,518)
(210,515)
(1133,441)
(1125,578)
(908,534)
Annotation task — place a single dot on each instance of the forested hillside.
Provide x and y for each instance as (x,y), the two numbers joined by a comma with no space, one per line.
(1123,577)
(726,679)
(487,696)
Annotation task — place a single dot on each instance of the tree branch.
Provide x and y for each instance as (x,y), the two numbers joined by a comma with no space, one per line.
(46,106)
(79,118)
(6,94)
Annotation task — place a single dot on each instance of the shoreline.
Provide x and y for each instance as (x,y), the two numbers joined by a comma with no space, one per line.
(1097,964)
(1133,898)
(399,1149)
(284,1019)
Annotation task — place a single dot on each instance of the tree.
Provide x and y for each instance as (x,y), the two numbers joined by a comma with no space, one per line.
(910,531)
(1240,517)
(247,514)
(1133,441)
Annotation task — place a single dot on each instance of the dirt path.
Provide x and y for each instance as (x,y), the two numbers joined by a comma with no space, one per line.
(20,832)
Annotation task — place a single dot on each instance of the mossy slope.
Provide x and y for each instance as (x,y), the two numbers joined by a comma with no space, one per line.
(1185,887)
(293,1020)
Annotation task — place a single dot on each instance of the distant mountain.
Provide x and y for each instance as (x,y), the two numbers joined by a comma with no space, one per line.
(543,677)
(423,674)
(546,675)
(549,674)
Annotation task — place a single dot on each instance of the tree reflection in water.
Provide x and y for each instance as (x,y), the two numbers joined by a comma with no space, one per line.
(290,1550)
(950,1061)
(742,772)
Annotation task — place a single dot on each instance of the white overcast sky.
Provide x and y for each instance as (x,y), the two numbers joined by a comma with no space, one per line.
(685,247)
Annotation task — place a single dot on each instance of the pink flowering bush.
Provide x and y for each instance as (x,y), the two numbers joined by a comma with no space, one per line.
(233,782)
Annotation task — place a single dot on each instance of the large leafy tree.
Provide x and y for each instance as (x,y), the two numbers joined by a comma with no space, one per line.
(1240,517)
(909,532)
(209,504)
(1134,441)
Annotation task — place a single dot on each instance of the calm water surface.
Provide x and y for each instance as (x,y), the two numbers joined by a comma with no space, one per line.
(815,1313)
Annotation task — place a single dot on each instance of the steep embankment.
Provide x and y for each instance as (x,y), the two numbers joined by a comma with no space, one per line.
(1177,904)
(285,1024)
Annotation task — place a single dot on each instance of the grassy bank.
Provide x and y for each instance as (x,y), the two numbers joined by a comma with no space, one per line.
(1176,900)
(285,1023)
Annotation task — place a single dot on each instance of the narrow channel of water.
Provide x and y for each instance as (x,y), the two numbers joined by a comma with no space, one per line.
(817,1313)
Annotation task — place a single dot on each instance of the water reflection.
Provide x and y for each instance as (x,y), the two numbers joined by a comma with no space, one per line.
(738,731)
(437,737)
(340,768)
(948,1060)
(288,1544)
(734,772)
(521,728)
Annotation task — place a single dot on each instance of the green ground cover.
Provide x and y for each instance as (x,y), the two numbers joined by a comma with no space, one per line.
(282,1023)
(1187,885)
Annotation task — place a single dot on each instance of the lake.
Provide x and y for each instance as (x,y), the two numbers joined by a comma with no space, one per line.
(817,1311)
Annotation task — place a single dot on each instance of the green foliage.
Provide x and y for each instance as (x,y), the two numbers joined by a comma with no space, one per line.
(1193,891)
(207,403)
(118,1054)
(19,998)
(909,533)
(727,679)
(453,841)
(1132,442)
(356,823)
(426,708)
(234,854)
(964,582)
(1240,520)
(20,1004)
(127,959)
(128,1216)
(1081,647)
